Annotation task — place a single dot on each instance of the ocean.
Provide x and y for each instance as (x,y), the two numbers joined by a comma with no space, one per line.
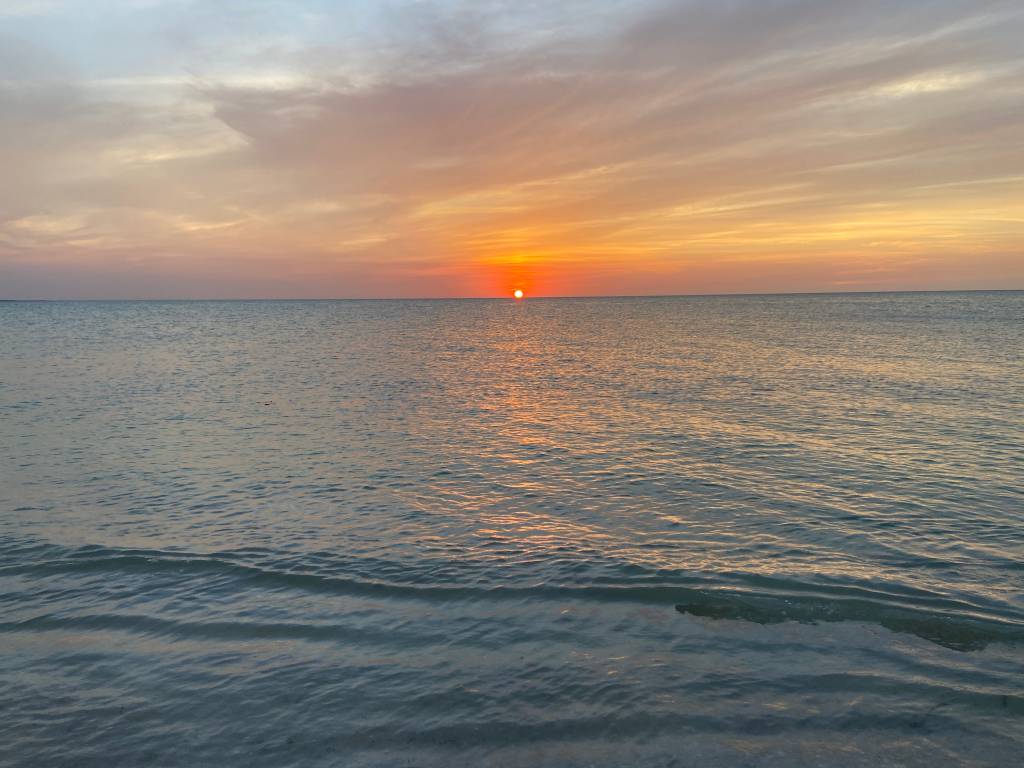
(694,531)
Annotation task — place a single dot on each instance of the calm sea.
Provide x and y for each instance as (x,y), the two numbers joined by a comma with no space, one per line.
(778,531)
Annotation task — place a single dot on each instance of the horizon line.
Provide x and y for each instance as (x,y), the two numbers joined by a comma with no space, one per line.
(530,298)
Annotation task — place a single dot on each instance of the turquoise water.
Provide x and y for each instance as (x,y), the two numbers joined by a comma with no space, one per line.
(779,531)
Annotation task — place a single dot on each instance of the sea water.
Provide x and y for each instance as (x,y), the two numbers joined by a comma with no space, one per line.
(762,530)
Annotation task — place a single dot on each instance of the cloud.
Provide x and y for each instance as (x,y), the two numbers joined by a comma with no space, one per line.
(661,145)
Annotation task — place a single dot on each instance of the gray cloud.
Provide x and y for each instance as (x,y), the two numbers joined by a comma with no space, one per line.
(662,141)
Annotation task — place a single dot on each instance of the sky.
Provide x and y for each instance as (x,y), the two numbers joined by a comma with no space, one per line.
(315,149)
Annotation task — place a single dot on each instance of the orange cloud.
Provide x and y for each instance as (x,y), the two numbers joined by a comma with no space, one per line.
(657,148)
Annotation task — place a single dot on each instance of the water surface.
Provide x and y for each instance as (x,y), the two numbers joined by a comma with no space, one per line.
(778,530)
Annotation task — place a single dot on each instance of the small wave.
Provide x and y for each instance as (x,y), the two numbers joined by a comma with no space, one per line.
(958,632)
(207,630)
(953,624)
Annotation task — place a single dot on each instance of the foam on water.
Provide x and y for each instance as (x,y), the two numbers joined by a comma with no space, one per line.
(748,530)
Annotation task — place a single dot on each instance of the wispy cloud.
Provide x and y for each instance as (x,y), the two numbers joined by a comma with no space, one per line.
(454,148)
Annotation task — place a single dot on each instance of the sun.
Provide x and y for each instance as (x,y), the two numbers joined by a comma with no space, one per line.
(518,293)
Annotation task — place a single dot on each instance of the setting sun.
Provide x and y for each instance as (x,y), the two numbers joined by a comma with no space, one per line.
(518,293)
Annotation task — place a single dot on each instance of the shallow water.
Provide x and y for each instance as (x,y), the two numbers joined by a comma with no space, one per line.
(607,532)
